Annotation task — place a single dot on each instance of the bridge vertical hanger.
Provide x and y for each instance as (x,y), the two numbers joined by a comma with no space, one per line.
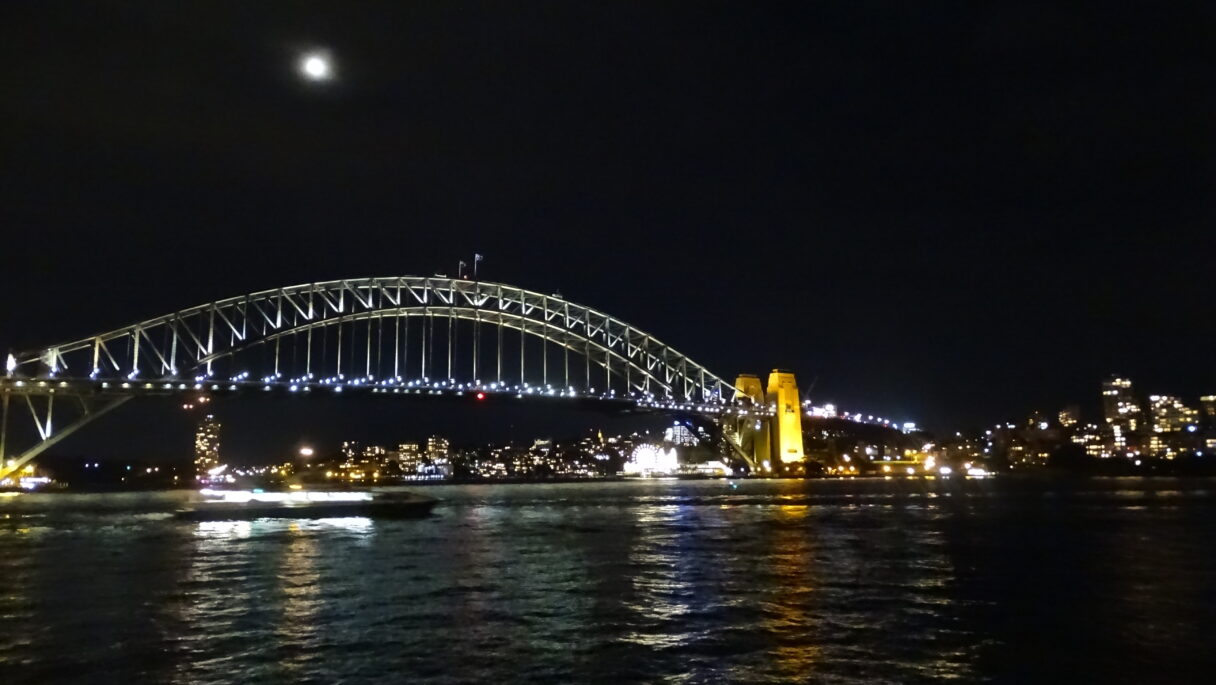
(476,343)
(367,365)
(3,429)
(425,319)
(338,362)
(405,349)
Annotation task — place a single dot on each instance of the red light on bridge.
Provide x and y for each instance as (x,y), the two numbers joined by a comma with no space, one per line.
(481,395)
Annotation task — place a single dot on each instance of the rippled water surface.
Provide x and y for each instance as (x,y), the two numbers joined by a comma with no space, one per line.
(684,581)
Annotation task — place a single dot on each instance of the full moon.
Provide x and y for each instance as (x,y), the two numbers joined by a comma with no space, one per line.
(316,66)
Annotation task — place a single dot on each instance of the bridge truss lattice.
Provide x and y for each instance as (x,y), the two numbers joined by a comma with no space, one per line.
(404,334)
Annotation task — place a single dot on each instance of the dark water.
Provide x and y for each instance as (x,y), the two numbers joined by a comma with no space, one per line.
(830,581)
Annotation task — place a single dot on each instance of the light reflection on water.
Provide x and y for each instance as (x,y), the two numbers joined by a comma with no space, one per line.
(660,589)
(223,530)
(300,600)
(790,613)
(839,581)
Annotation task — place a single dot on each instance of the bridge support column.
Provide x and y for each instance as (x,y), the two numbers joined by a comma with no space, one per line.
(787,455)
(91,408)
(753,434)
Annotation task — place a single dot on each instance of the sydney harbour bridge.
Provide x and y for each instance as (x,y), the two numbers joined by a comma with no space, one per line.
(394,336)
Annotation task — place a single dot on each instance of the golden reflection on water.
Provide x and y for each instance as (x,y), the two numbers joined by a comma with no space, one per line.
(300,596)
(786,616)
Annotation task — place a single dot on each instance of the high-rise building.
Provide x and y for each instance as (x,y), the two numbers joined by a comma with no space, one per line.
(1090,437)
(679,434)
(375,456)
(1209,405)
(207,445)
(438,457)
(409,457)
(436,448)
(1119,406)
(1170,414)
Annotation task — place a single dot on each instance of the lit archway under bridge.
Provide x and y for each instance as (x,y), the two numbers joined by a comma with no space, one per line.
(396,335)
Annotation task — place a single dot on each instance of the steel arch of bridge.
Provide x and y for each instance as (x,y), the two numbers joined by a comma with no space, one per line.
(189,344)
(212,347)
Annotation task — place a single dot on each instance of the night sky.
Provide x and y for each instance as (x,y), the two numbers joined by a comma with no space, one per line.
(952,213)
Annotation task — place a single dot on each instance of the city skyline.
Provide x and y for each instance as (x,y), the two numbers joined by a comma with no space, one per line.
(254,438)
(1131,424)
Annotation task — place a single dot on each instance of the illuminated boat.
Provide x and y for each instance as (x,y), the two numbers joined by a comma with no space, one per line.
(219,505)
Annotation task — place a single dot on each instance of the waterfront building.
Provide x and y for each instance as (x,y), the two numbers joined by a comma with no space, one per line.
(680,436)
(375,455)
(1170,415)
(438,457)
(1092,439)
(207,445)
(1121,411)
(361,462)
(409,457)
(1069,416)
(1118,438)
(1209,405)
(651,460)
(1119,406)
(437,448)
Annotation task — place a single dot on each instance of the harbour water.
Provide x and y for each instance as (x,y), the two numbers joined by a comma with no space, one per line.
(1001,580)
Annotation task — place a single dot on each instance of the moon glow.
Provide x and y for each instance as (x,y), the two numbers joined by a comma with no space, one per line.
(316,66)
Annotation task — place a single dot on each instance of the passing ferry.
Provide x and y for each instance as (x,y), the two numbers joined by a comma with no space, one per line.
(218,505)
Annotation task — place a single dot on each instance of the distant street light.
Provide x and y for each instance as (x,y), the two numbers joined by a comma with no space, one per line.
(305,451)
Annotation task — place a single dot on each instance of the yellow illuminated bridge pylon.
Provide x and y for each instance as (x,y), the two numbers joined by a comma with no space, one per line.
(771,444)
